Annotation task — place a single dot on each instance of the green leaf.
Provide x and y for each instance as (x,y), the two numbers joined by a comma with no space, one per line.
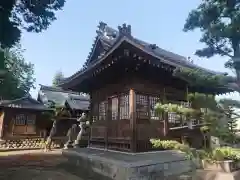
(33,16)
(19,79)
(219,23)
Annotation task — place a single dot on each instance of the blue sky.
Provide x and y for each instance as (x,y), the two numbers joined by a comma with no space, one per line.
(66,44)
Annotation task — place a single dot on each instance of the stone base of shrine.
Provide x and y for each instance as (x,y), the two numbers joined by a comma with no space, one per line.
(110,165)
(215,175)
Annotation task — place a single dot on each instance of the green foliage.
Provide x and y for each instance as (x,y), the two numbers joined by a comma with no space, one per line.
(228,107)
(218,20)
(220,154)
(218,118)
(18,79)
(57,78)
(198,77)
(180,110)
(212,155)
(173,145)
(58,111)
(204,129)
(219,23)
(30,15)
(164,144)
(174,108)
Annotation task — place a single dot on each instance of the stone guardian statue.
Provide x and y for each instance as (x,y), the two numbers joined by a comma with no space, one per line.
(82,125)
(71,134)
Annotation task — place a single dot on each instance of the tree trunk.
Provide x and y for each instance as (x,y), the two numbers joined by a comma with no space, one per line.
(236,58)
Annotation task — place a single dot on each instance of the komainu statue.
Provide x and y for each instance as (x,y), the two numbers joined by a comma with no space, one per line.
(71,134)
(83,125)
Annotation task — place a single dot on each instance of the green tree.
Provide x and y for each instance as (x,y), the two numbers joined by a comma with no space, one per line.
(58,77)
(219,23)
(229,108)
(19,15)
(19,77)
(29,15)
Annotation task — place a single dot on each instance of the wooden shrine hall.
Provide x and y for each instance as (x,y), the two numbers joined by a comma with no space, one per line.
(125,78)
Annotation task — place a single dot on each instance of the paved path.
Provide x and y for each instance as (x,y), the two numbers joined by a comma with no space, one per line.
(33,165)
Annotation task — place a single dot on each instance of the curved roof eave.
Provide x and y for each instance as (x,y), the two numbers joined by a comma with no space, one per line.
(128,40)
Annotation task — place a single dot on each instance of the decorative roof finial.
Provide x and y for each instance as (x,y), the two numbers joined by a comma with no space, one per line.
(153,46)
(101,27)
(125,30)
(190,59)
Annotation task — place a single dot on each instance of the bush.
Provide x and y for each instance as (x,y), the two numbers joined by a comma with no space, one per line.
(212,155)
(164,144)
(221,154)
(173,145)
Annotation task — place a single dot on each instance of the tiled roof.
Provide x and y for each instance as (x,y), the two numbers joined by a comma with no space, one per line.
(59,97)
(108,37)
(24,102)
(78,102)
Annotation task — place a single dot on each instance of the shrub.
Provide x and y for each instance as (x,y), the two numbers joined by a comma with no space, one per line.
(173,145)
(221,154)
(212,155)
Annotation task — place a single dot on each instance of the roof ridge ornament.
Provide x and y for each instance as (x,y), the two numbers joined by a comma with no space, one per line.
(153,46)
(101,27)
(125,30)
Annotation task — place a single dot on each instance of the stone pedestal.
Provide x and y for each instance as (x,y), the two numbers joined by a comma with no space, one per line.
(110,165)
(216,175)
(68,145)
(80,143)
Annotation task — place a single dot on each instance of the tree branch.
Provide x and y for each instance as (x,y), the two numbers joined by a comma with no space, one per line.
(223,52)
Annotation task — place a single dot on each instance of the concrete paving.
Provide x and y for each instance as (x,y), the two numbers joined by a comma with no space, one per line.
(33,165)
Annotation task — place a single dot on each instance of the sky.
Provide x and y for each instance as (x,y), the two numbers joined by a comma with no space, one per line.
(65,45)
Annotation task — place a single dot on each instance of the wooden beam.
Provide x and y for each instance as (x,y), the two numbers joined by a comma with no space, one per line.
(133,123)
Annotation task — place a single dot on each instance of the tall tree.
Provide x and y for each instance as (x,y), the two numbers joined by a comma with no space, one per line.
(29,15)
(19,15)
(219,23)
(19,77)
(57,78)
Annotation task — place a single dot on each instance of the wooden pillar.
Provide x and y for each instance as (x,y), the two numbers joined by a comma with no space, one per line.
(149,108)
(165,123)
(132,112)
(1,123)
(108,119)
(165,115)
(90,113)
(119,98)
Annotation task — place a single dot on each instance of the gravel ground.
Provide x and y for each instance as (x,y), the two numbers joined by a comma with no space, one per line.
(33,165)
